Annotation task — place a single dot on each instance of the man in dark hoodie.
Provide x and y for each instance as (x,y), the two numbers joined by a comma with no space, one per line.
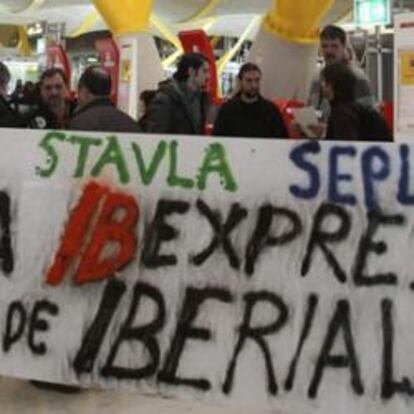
(249,114)
(180,105)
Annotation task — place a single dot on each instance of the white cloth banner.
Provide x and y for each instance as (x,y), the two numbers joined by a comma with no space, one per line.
(252,273)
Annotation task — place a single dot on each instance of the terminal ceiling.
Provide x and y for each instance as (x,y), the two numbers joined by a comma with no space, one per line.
(227,17)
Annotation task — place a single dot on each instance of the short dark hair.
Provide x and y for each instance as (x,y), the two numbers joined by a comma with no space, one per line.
(147,96)
(248,67)
(96,80)
(189,60)
(332,32)
(51,72)
(342,79)
(4,74)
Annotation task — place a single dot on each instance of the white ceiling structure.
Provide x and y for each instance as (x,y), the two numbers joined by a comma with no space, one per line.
(231,16)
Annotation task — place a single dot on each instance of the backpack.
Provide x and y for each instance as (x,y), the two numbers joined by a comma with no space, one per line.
(372,125)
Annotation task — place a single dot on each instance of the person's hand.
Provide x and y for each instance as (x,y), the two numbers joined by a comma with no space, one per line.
(297,130)
(318,130)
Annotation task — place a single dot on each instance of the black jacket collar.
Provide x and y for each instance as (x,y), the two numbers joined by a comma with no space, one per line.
(101,101)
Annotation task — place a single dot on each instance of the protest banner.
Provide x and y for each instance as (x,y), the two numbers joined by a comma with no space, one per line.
(253,273)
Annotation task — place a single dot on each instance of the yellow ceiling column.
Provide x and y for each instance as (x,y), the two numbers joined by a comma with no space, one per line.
(86,25)
(297,21)
(125,16)
(24,45)
(203,12)
(228,56)
(167,62)
(140,64)
(166,32)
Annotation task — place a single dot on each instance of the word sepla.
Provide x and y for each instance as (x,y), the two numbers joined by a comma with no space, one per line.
(112,154)
(381,170)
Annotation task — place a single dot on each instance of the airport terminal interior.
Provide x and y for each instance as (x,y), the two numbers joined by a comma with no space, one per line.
(138,46)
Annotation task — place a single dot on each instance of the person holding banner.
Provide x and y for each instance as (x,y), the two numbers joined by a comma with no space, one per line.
(335,49)
(54,109)
(53,112)
(349,119)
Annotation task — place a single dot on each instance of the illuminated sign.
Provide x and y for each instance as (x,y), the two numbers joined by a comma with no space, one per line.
(372,12)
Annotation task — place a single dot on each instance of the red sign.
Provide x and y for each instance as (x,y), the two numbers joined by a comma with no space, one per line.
(58,58)
(197,41)
(109,59)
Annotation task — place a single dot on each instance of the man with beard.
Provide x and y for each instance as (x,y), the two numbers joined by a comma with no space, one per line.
(54,110)
(248,114)
(334,49)
(180,105)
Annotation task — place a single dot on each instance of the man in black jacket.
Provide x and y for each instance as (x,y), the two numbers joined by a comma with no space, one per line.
(9,118)
(180,105)
(96,111)
(248,114)
(54,109)
(349,119)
